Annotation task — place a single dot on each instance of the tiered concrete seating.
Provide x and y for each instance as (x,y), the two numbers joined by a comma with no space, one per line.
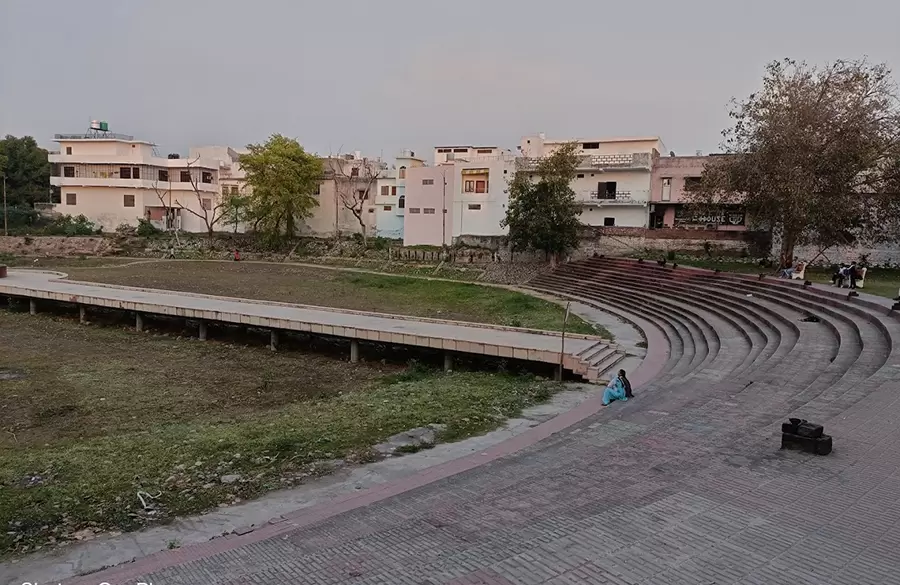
(749,335)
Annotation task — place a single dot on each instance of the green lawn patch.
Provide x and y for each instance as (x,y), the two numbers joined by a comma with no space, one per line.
(102,417)
(401,295)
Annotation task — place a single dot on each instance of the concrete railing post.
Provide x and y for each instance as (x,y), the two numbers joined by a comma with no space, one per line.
(201,333)
(138,322)
(32,306)
(82,314)
(273,340)
(448,362)
(354,351)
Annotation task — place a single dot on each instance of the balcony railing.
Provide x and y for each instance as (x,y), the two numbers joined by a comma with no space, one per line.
(619,198)
(602,162)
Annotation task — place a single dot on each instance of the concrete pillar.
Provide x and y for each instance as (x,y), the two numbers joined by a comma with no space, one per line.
(448,362)
(201,333)
(138,322)
(273,340)
(558,374)
(354,351)
(32,306)
(82,314)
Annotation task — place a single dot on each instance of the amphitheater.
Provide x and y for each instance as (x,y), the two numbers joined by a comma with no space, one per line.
(685,484)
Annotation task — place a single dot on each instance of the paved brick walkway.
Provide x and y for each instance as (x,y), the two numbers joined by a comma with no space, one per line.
(684,485)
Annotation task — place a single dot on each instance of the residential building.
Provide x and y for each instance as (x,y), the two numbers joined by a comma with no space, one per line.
(113,179)
(430,195)
(481,195)
(671,176)
(613,176)
(449,154)
(346,196)
(390,198)
(388,215)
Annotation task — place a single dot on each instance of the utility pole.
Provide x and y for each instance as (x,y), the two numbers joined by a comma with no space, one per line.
(5,212)
(444,209)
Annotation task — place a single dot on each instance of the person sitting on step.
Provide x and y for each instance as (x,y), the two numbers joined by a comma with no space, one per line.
(615,390)
(626,384)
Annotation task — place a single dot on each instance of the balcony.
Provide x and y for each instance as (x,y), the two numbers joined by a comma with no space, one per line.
(131,184)
(618,199)
(638,161)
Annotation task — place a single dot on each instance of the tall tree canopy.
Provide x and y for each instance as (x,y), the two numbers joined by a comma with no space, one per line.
(813,156)
(543,215)
(283,179)
(27,171)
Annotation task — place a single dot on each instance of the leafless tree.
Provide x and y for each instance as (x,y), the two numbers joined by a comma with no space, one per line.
(212,209)
(171,226)
(355,181)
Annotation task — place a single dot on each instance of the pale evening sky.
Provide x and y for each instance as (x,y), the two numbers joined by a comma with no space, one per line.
(380,76)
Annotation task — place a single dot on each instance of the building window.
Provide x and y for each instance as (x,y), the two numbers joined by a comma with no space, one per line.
(385,190)
(667,189)
(354,172)
(124,172)
(393,190)
(401,174)
(609,221)
(469,187)
(185,176)
(389,207)
(401,203)
(128,200)
(135,172)
(71,199)
(68,150)
(691,183)
(444,150)
(590,145)
(485,151)
(371,210)
(206,204)
(481,186)
(428,181)
(362,194)
(579,176)
(606,190)
(414,210)
(206,176)
(460,150)
(68,171)
(428,211)
(162,175)
(475,206)
(318,190)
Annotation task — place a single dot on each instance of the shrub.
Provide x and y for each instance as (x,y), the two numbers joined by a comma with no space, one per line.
(146,229)
(66,225)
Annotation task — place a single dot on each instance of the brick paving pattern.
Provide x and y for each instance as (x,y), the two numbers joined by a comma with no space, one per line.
(683,485)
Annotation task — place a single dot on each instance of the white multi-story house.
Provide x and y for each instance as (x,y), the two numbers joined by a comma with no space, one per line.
(390,198)
(614,176)
(113,179)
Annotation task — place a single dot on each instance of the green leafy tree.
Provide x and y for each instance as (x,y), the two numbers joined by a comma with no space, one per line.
(543,215)
(814,156)
(235,210)
(27,171)
(283,179)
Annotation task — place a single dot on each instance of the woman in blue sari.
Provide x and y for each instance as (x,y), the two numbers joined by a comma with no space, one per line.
(615,390)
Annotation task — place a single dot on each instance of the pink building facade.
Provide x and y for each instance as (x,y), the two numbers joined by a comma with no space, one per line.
(668,180)
(429,199)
